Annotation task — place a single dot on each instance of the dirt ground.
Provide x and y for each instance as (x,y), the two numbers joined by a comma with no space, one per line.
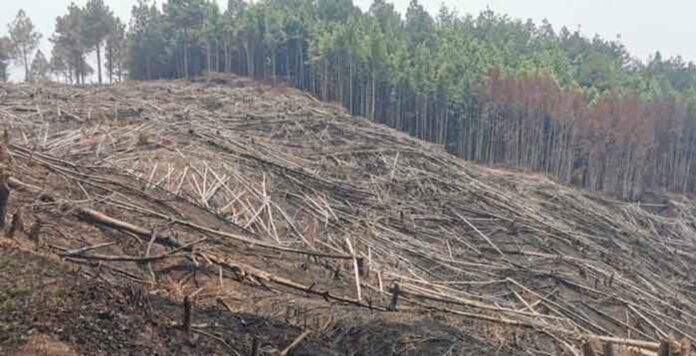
(47,308)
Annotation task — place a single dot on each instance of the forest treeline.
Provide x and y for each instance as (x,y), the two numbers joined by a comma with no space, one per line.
(488,88)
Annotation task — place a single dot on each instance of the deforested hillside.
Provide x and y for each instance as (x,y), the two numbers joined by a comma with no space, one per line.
(231,217)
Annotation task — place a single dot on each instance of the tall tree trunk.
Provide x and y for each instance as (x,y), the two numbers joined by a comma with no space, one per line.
(110,67)
(372,112)
(99,67)
(186,59)
(350,84)
(27,73)
(209,57)
(227,60)
(325,81)
(273,65)
(248,47)
(300,63)
(217,54)
(287,61)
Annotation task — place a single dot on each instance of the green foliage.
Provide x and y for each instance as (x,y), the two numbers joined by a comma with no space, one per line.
(40,68)
(418,25)
(147,44)
(24,40)
(115,51)
(59,63)
(70,45)
(97,22)
(335,10)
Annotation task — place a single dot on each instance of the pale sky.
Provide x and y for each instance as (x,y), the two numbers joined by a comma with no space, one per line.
(645,26)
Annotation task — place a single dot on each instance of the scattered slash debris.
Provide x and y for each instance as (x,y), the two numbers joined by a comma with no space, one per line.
(254,204)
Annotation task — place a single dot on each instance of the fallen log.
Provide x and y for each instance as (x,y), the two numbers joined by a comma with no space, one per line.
(94,216)
(255,243)
(647,345)
(295,343)
(269,277)
(99,218)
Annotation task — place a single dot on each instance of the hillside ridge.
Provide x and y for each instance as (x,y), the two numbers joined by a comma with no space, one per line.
(259,200)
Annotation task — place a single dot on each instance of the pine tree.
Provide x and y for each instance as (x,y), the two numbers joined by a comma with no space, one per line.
(40,68)
(69,41)
(146,53)
(60,65)
(115,51)
(24,41)
(185,19)
(98,22)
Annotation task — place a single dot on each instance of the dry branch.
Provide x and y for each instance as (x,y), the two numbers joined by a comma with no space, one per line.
(295,342)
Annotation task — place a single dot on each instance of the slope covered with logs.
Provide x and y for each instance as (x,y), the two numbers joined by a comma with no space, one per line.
(325,230)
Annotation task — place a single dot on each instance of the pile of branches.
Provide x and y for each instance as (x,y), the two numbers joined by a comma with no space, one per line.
(251,181)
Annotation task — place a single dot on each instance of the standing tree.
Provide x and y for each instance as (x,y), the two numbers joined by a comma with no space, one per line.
(5,49)
(68,40)
(418,24)
(40,67)
(97,24)
(147,41)
(210,35)
(186,20)
(116,50)
(273,37)
(60,64)
(235,7)
(24,41)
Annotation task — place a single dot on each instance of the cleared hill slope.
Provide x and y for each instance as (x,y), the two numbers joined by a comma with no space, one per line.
(253,200)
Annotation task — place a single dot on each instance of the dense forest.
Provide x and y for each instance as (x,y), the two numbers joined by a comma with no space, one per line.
(488,88)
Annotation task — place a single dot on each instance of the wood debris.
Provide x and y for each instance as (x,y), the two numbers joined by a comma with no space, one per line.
(254,187)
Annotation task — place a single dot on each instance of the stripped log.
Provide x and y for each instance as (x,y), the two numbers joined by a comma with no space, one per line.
(94,216)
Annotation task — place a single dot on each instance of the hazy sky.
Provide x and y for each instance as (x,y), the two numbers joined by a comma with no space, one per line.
(645,26)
